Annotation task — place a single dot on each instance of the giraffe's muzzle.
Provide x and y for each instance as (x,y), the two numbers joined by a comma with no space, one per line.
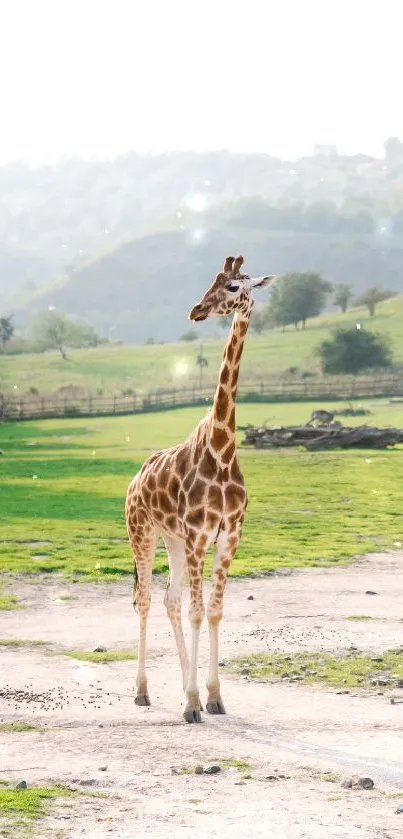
(197,313)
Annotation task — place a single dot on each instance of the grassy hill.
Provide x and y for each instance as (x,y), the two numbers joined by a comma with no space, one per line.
(143,368)
(145,287)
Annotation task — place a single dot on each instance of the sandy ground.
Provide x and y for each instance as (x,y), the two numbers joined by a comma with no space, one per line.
(291,734)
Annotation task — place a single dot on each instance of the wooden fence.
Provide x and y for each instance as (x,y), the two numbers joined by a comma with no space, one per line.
(271,390)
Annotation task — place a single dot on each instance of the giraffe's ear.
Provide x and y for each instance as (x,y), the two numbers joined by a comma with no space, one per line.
(261,282)
(228,265)
(238,262)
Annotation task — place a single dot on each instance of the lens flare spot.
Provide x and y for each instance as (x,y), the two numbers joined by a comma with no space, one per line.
(197,202)
(181,368)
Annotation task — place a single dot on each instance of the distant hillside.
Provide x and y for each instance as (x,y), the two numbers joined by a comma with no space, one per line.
(66,213)
(146,287)
(21,273)
(116,369)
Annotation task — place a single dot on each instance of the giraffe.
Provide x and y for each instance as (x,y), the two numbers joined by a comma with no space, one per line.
(194,496)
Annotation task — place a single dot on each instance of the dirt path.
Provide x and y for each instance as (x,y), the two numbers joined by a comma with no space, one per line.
(290,734)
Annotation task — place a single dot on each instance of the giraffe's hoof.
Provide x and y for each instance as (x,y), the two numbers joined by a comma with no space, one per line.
(192,715)
(215,706)
(142,699)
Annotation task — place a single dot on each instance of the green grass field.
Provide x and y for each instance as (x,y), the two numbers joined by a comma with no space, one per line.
(62,499)
(144,368)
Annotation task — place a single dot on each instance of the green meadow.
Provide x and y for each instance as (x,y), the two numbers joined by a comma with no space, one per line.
(145,368)
(63,485)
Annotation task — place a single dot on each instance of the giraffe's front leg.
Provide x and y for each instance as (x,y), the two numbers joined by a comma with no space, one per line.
(195,562)
(227,544)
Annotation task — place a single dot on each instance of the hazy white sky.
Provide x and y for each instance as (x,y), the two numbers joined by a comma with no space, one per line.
(99,77)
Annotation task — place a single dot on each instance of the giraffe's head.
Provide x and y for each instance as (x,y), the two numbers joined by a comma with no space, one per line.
(230,292)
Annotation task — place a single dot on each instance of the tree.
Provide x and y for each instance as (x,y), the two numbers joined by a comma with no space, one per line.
(201,362)
(6,331)
(51,330)
(342,297)
(297,297)
(373,296)
(189,335)
(258,321)
(351,350)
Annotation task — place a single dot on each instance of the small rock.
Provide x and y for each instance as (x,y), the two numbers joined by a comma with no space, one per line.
(366,783)
(342,692)
(245,671)
(103,768)
(100,725)
(199,770)
(223,663)
(22,785)
(251,597)
(100,650)
(400,809)
(383,682)
(371,592)
(90,782)
(240,783)
(212,770)
(347,784)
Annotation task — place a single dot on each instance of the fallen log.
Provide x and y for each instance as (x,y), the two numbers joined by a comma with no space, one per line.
(321,437)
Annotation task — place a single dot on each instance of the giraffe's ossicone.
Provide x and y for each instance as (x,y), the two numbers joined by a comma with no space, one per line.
(194,496)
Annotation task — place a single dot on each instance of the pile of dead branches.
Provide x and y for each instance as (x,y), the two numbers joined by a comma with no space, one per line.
(330,436)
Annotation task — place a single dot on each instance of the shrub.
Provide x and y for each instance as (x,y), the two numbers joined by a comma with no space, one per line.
(350,350)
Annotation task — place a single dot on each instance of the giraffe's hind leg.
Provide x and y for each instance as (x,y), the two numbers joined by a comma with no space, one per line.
(173,598)
(143,539)
(227,544)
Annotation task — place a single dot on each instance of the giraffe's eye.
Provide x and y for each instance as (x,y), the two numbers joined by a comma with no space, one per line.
(232,288)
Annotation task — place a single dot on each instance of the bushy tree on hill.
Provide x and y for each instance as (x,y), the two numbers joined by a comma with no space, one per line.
(296,297)
(189,335)
(258,320)
(350,350)
(53,331)
(6,331)
(373,296)
(342,296)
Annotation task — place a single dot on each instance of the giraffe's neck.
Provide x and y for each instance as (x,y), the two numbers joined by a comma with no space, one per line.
(222,429)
